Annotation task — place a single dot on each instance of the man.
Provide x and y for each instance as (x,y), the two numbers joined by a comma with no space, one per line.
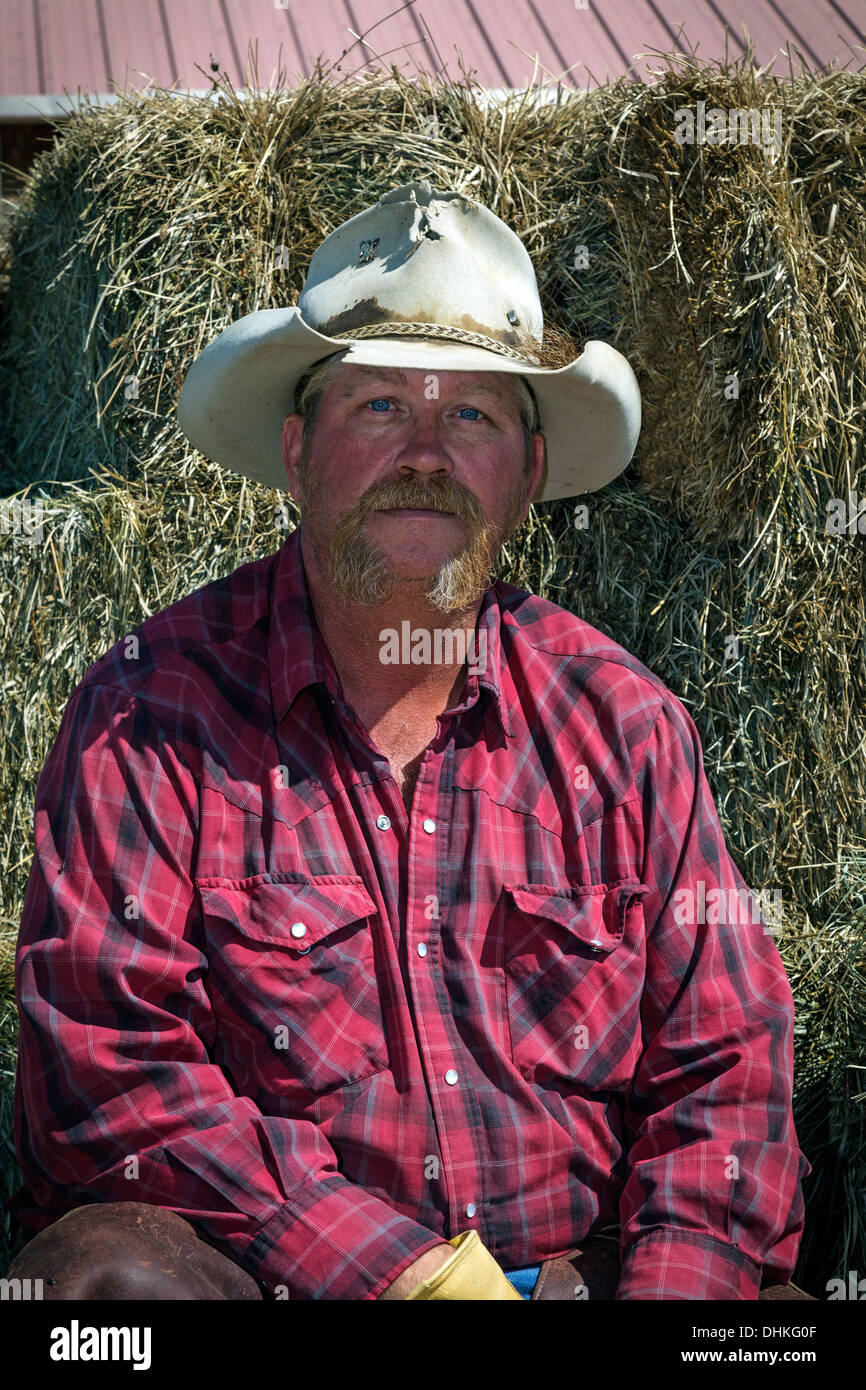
(365,952)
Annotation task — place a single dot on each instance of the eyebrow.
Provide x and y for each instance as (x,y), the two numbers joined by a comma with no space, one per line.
(393,374)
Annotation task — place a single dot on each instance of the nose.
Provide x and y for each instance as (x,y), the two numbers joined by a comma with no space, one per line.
(423,452)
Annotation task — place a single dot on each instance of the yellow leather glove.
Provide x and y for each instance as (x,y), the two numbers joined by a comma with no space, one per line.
(470,1273)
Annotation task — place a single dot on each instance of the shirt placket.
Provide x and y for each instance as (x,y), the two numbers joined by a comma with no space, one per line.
(422,835)
(428,843)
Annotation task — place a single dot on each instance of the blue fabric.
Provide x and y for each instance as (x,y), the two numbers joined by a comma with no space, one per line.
(523,1279)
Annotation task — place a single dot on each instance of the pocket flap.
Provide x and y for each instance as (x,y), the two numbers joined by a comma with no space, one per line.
(285,911)
(595,915)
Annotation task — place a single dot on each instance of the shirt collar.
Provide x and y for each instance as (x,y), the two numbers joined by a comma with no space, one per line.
(298,657)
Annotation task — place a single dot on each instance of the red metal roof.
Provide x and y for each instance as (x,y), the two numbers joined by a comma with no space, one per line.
(54,46)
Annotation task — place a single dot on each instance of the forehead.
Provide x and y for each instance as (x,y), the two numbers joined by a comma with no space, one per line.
(349,379)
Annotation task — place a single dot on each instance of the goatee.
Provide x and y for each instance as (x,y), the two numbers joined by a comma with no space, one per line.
(359,570)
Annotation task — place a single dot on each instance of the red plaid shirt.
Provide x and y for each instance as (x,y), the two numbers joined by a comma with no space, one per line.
(255,991)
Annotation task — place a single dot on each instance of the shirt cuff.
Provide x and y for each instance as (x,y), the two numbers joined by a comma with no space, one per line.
(347,1245)
(678,1264)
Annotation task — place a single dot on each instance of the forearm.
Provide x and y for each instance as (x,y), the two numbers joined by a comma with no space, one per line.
(422,1269)
(673,1263)
(287,1216)
(713,1188)
(460,1271)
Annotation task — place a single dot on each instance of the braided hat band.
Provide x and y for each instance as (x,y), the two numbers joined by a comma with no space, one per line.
(438,330)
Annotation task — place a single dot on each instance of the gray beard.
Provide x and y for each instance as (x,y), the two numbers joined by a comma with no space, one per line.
(359,571)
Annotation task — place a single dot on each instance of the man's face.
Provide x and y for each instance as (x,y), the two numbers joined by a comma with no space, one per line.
(412,481)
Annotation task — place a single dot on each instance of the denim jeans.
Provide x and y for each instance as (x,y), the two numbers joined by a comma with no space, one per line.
(523,1280)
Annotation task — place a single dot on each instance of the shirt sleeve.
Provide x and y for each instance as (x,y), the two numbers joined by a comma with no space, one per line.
(713,1198)
(117,1098)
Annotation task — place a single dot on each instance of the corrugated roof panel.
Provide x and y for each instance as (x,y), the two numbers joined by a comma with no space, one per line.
(769,26)
(454,24)
(324,28)
(561,36)
(137,38)
(596,46)
(19,68)
(72,46)
(198,32)
(52,46)
(812,26)
(403,39)
(270,29)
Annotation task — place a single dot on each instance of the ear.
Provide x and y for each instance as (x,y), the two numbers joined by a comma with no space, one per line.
(292,446)
(538,478)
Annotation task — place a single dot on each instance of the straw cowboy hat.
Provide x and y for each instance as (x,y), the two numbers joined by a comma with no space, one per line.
(423,279)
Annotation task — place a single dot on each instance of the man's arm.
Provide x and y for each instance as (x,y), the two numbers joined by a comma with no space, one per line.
(417,1272)
(713,1195)
(117,1098)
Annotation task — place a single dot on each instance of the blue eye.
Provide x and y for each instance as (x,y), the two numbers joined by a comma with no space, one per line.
(385,401)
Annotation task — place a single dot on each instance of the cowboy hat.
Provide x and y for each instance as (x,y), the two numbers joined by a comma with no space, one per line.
(423,279)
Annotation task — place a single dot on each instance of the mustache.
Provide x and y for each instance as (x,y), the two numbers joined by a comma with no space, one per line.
(441,497)
(437,494)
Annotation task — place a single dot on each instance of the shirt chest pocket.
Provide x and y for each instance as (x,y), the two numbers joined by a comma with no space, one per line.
(292,979)
(573,962)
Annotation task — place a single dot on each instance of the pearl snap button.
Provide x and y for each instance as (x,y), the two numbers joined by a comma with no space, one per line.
(470,1210)
(383,822)
(429,825)
(298,929)
(422,948)
(451,1077)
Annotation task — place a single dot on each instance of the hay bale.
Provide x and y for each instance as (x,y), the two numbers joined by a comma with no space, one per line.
(152,225)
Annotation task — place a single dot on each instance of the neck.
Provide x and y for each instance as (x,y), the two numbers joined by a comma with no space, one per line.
(379,659)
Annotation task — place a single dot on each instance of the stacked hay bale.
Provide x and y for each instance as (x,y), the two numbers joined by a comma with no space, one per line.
(731,275)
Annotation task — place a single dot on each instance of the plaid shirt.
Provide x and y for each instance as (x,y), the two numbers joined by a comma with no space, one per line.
(255,991)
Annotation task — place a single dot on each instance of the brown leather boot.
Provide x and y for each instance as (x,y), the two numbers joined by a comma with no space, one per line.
(129,1250)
